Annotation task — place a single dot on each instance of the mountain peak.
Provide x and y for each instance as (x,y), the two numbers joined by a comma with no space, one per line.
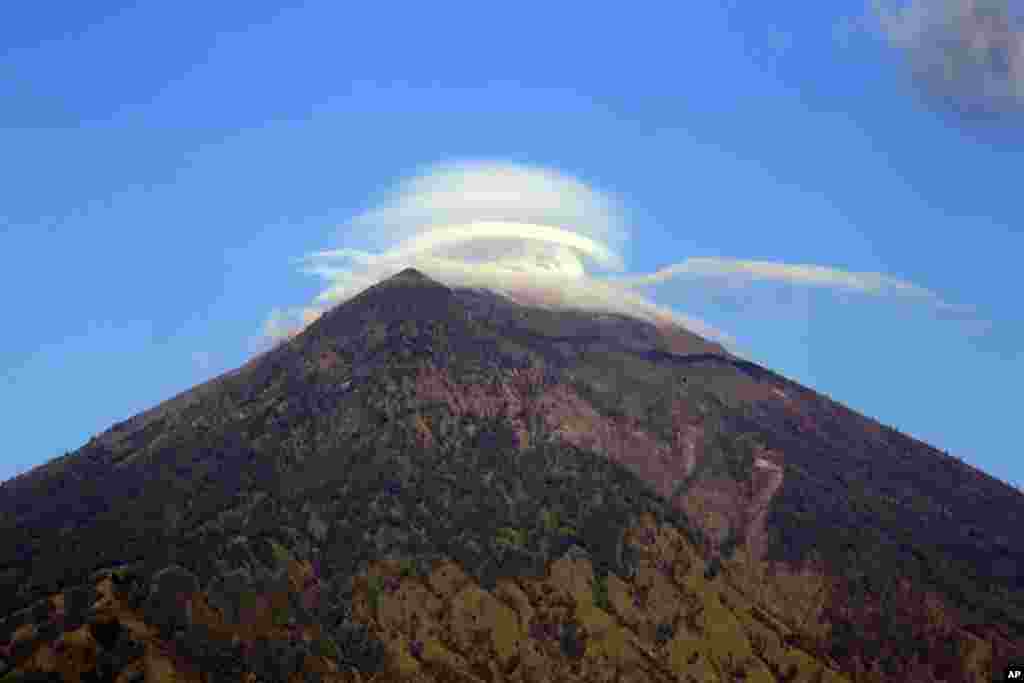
(420,440)
(410,276)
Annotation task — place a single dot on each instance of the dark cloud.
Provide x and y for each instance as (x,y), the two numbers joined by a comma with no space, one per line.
(965,57)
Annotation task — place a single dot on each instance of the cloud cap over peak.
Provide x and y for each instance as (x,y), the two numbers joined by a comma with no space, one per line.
(540,235)
(480,191)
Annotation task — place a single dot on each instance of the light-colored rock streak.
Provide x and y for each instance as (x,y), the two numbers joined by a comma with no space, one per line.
(767,480)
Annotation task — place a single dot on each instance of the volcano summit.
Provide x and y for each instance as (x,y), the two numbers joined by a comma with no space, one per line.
(435,483)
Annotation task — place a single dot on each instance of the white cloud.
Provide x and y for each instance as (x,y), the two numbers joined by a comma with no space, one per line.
(538,235)
(735,272)
(285,324)
(474,191)
(965,53)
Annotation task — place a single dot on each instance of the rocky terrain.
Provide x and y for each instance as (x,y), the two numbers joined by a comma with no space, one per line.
(431,484)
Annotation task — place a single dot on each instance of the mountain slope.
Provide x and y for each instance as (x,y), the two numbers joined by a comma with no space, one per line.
(437,484)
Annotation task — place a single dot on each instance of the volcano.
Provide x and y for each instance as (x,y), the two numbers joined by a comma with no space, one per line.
(449,484)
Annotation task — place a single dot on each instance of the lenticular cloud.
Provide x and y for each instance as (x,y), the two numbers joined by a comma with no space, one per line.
(494,225)
(531,234)
(537,236)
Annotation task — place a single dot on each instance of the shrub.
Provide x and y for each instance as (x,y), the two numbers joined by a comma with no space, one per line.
(374,588)
(713,568)
(262,660)
(729,545)
(549,519)
(78,600)
(264,551)
(664,633)
(120,653)
(106,633)
(599,585)
(325,647)
(250,605)
(41,611)
(289,659)
(165,606)
(507,536)
(32,677)
(359,647)
(281,555)
(573,645)
(407,568)
(280,616)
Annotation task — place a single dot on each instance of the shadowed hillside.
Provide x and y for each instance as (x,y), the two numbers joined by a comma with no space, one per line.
(431,484)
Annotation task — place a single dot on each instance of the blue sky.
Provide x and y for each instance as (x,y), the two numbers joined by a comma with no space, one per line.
(165,165)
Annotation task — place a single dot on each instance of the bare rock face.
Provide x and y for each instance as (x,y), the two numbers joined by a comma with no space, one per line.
(436,484)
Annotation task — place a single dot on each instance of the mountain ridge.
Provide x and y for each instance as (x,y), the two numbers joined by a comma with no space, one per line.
(594,491)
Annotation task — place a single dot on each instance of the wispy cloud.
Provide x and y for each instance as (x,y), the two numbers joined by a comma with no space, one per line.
(284,324)
(738,272)
(542,236)
(965,54)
